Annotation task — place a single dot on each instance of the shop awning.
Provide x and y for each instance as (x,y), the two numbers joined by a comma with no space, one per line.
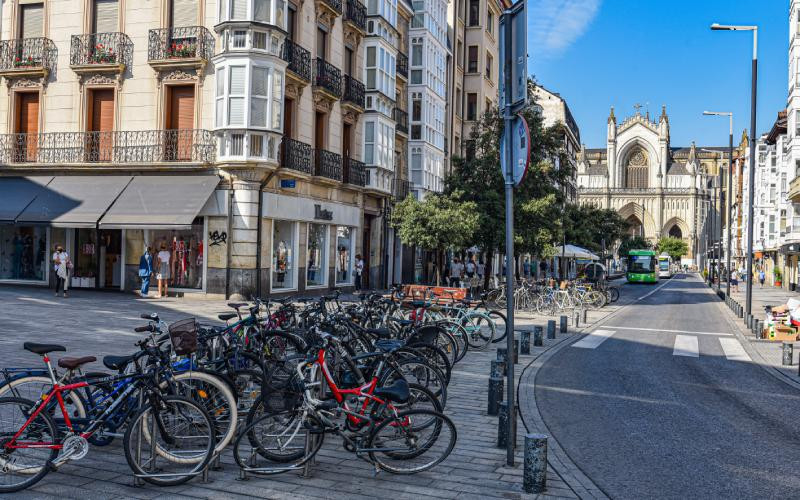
(74,200)
(17,193)
(575,252)
(160,202)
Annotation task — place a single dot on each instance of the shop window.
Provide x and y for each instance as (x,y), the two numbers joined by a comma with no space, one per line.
(317,266)
(345,239)
(24,253)
(283,255)
(185,247)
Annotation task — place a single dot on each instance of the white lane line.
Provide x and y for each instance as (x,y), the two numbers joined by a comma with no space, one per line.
(594,339)
(656,289)
(719,334)
(686,345)
(733,350)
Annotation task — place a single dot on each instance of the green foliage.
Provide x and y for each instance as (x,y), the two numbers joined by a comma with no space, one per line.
(674,247)
(778,274)
(436,223)
(633,243)
(587,226)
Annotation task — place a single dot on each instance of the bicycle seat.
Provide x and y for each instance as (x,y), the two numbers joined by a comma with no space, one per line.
(116,362)
(72,363)
(227,316)
(381,333)
(398,392)
(389,345)
(237,305)
(420,303)
(41,349)
(402,322)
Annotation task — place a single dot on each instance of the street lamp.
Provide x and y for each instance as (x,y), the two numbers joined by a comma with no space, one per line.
(729,211)
(752,172)
(718,245)
(714,266)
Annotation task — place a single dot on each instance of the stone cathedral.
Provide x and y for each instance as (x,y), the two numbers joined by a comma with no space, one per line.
(659,189)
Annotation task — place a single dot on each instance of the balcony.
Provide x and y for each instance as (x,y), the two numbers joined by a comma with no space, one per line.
(328,10)
(355,18)
(794,190)
(296,155)
(118,147)
(183,47)
(327,79)
(29,57)
(327,165)
(401,121)
(299,60)
(353,93)
(402,65)
(100,52)
(401,189)
(354,172)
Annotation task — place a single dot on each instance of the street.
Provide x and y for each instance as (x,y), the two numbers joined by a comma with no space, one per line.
(661,400)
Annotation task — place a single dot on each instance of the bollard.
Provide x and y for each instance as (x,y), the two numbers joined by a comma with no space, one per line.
(525,342)
(563,324)
(551,329)
(495,395)
(515,354)
(534,474)
(584,315)
(502,355)
(498,369)
(757,328)
(748,321)
(576,319)
(788,353)
(502,428)
(537,336)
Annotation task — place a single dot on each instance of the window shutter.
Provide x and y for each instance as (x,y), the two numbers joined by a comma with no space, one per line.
(32,20)
(239,9)
(236,85)
(105,16)
(184,13)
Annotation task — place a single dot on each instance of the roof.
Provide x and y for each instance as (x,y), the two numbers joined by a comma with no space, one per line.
(597,169)
(677,169)
(778,128)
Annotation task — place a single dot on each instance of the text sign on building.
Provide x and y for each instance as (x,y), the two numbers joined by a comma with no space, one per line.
(322,214)
(520,149)
(288,183)
(514,58)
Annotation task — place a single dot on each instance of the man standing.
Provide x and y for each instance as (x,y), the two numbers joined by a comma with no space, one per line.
(145,270)
(456,271)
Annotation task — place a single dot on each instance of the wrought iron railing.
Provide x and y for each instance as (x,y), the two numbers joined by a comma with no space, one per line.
(354,172)
(401,120)
(401,188)
(402,64)
(335,5)
(353,91)
(28,53)
(328,77)
(100,48)
(296,155)
(299,59)
(327,164)
(356,13)
(140,146)
(186,42)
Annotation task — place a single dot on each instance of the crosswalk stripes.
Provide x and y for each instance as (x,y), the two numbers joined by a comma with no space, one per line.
(686,345)
(594,339)
(733,350)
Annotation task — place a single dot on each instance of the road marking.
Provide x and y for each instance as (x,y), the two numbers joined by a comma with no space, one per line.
(657,289)
(720,334)
(733,350)
(686,345)
(594,339)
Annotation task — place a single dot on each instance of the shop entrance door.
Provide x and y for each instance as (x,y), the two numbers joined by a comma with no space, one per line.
(110,258)
(97,259)
(365,245)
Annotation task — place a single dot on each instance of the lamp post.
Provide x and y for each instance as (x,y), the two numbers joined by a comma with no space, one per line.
(719,200)
(729,198)
(751,173)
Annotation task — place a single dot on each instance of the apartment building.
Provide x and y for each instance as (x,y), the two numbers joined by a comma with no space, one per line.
(229,132)
(555,111)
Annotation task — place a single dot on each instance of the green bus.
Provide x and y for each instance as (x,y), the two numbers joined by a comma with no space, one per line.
(642,266)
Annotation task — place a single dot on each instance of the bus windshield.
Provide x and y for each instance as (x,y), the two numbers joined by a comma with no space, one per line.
(641,264)
(663,265)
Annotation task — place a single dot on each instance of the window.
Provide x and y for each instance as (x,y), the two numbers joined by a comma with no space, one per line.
(472,59)
(277,100)
(472,106)
(416,109)
(283,254)
(345,239)
(369,143)
(24,253)
(237,145)
(490,22)
(259,40)
(256,145)
(380,68)
(186,247)
(239,9)
(220,98)
(487,105)
(105,15)
(239,39)
(259,97)
(416,132)
(317,252)
(459,107)
(460,54)
(489,62)
(236,91)
(322,43)
(474,13)
(261,10)
(31,22)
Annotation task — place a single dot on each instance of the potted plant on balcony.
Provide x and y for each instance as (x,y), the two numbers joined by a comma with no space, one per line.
(778,277)
(182,50)
(103,55)
(26,62)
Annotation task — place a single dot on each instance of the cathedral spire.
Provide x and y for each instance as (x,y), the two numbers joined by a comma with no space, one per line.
(692,154)
(663,113)
(611,117)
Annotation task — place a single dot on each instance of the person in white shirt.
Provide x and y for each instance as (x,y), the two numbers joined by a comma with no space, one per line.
(163,269)
(456,271)
(61,265)
(359,271)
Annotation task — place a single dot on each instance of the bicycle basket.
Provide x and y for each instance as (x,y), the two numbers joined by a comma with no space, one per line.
(183,335)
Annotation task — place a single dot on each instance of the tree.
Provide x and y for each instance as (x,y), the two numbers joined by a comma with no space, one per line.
(674,247)
(587,226)
(633,243)
(437,223)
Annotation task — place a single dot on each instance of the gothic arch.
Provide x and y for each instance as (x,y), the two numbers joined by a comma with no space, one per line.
(680,224)
(627,150)
(637,210)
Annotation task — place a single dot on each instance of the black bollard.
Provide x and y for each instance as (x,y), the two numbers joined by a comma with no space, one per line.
(748,321)
(788,353)
(551,329)
(538,333)
(498,369)
(502,355)
(576,320)
(525,342)
(502,425)
(516,351)
(563,324)
(534,474)
(584,315)
(495,395)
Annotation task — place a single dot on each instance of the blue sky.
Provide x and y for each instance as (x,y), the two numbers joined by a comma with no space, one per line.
(602,53)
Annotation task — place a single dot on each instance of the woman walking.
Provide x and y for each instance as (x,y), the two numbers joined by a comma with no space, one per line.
(359,271)
(146,270)
(61,265)
(163,270)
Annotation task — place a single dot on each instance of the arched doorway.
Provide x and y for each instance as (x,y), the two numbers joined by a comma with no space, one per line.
(635,226)
(675,232)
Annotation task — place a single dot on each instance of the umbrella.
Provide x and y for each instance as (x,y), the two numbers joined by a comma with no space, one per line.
(573,251)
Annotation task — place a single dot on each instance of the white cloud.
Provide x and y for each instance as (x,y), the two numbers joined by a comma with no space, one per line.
(554,24)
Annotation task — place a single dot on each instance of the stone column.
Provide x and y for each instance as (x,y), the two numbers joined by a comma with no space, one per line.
(243,238)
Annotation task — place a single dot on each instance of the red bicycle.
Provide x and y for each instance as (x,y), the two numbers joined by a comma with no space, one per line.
(374,425)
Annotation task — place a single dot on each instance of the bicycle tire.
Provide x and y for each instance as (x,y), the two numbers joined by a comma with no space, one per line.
(613,294)
(459,334)
(476,337)
(500,318)
(43,421)
(291,426)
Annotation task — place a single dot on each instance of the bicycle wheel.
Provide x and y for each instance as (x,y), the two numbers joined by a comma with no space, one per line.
(21,468)
(459,334)
(416,370)
(35,386)
(412,441)
(480,330)
(286,439)
(499,320)
(613,294)
(170,444)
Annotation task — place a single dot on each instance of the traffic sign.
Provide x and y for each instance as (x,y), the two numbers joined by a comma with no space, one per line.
(514,58)
(520,150)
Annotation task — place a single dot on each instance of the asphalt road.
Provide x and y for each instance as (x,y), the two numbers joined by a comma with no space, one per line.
(661,401)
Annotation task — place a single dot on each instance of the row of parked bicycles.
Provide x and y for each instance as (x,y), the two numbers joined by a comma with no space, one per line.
(550,298)
(265,388)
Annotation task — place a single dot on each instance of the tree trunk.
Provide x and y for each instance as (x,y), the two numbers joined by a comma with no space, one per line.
(487,268)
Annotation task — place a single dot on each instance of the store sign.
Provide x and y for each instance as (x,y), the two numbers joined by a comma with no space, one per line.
(322,214)
(288,183)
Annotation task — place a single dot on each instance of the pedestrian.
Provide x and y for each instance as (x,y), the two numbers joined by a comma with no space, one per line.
(163,270)
(145,270)
(456,272)
(735,281)
(761,278)
(61,265)
(526,268)
(470,269)
(359,270)
(481,269)
(543,269)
